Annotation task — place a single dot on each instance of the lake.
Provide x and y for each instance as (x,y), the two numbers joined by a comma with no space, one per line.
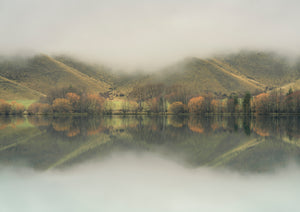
(149,163)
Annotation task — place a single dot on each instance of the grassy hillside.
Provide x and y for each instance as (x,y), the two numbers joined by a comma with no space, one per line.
(43,73)
(264,67)
(235,73)
(203,76)
(97,72)
(10,90)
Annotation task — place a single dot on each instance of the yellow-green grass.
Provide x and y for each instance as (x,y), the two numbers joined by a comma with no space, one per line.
(43,73)
(11,90)
(25,102)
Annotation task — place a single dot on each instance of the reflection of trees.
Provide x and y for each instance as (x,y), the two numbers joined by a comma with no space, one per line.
(68,125)
(39,121)
(195,125)
(207,124)
(177,121)
(247,125)
(71,126)
(10,121)
(214,140)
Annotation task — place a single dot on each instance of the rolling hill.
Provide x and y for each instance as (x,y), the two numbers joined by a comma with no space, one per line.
(10,90)
(235,73)
(29,78)
(265,67)
(43,73)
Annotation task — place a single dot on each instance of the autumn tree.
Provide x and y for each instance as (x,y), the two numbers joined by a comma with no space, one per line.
(261,103)
(142,93)
(74,100)
(216,106)
(17,108)
(94,104)
(179,93)
(39,108)
(177,107)
(60,93)
(62,105)
(5,107)
(195,105)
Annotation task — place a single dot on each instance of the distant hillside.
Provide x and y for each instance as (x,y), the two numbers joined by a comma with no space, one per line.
(226,74)
(101,73)
(264,67)
(11,90)
(234,73)
(202,76)
(43,73)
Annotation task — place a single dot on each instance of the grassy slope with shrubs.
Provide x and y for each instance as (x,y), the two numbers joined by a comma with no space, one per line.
(28,78)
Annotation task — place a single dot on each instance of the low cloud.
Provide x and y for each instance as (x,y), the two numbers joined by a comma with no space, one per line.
(147,34)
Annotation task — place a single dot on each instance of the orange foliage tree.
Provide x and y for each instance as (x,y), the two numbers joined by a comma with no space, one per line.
(39,108)
(5,107)
(195,105)
(94,104)
(62,105)
(74,100)
(261,103)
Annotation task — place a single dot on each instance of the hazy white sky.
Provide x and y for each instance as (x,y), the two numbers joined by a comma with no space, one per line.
(140,33)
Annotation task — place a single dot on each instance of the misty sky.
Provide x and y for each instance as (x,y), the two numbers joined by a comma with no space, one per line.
(141,33)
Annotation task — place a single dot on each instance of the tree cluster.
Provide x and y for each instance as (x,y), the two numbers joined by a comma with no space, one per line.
(70,102)
(12,108)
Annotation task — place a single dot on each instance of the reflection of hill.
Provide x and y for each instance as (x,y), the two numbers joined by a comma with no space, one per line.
(213,141)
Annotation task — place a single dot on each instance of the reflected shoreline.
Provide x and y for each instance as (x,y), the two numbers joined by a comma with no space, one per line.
(256,144)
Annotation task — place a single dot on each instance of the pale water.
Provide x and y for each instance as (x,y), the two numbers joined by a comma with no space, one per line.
(144,163)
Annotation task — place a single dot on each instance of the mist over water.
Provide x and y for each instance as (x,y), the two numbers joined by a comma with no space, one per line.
(146,182)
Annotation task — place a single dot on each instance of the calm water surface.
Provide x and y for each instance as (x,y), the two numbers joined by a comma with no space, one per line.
(149,163)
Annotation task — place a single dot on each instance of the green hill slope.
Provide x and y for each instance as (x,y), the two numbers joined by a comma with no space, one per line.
(235,73)
(202,76)
(43,73)
(11,90)
(264,67)
(101,73)
(226,74)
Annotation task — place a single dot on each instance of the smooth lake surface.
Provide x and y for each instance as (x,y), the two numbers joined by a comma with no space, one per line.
(149,163)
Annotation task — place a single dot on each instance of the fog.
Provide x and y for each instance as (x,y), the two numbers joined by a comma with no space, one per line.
(131,182)
(141,33)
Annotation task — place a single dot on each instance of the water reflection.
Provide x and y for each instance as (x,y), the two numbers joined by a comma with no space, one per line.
(241,143)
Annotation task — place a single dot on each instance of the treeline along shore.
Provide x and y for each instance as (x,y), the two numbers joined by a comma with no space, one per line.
(158,99)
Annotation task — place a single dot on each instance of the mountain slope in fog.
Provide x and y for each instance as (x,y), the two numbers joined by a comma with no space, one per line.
(226,74)
(235,73)
(43,73)
(265,67)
